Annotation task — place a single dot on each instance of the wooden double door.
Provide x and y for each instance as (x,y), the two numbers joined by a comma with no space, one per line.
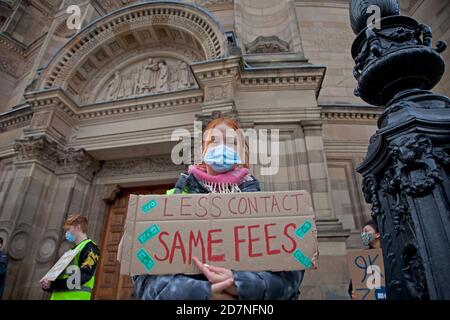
(109,284)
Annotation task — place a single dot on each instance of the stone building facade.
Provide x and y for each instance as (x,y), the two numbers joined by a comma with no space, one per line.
(86,116)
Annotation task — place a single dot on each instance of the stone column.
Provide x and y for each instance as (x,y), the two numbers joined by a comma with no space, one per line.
(28,194)
(327,223)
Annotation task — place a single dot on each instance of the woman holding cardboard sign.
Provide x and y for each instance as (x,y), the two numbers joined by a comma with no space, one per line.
(222,171)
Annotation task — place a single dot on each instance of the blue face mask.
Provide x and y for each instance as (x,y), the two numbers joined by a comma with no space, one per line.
(221,158)
(70,237)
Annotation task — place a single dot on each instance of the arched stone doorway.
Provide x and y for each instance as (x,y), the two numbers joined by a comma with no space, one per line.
(118,48)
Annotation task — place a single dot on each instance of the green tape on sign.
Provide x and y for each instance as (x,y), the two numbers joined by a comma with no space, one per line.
(148,234)
(145,259)
(303,229)
(146,208)
(300,257)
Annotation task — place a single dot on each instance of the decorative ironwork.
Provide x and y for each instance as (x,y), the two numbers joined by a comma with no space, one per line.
(406,171)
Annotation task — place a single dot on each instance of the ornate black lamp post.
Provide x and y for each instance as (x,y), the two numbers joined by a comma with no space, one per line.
(407,168)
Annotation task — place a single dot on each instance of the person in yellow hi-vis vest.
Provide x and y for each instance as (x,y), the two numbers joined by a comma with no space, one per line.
(64,287)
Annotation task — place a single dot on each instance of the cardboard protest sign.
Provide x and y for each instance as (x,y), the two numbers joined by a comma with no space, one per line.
(254,231)
(61,265)
(367,271)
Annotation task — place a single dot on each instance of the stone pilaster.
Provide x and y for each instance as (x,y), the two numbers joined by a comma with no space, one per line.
(218,81)
(49,184)
(54,115)
(328,225)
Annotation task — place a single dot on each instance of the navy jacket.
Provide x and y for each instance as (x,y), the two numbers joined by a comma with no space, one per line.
(3,269)
(250,285)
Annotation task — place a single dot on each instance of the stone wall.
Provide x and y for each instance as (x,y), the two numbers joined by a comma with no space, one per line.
(327,38)
(324,37)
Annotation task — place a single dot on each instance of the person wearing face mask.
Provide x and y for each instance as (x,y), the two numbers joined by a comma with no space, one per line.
(224,170)
(86,260)
(371,239)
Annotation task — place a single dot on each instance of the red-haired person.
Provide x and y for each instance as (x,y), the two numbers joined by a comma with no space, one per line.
(224,170)
(64,287)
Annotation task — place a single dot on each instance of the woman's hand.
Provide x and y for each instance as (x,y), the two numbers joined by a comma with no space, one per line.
(216,275)
(315,260)
(218,290)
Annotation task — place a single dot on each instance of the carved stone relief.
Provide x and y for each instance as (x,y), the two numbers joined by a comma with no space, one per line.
(108,30)
(151,76)
(218,93)
(210,2)
(139,166)
(110,5)
(40,119)
(271,44)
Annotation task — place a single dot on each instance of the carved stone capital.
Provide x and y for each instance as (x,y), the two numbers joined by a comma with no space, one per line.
(37,148)
(77,161)
(56,158)
(222,92)
(272,44)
